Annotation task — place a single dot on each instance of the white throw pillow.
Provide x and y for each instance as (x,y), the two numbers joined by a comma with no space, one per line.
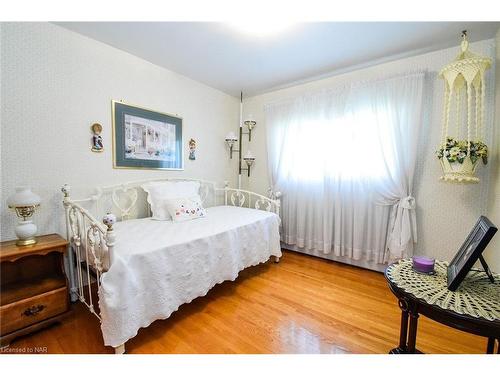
(182,209)
(161,191)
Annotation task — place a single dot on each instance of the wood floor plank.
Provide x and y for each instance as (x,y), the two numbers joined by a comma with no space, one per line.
(301,305)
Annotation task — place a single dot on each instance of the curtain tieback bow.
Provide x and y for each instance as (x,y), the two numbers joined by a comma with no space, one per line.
(408,203)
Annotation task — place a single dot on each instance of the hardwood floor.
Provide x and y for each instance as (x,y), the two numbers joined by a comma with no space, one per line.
(301,305)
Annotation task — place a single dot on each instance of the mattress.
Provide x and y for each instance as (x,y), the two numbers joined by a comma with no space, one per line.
(160,265)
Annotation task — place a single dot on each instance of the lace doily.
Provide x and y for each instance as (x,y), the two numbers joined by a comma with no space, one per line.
(476,296)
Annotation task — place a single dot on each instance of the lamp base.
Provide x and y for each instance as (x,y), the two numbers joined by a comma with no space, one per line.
(26,242)
(25,232)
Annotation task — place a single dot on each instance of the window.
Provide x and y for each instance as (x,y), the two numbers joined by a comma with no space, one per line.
(346,147)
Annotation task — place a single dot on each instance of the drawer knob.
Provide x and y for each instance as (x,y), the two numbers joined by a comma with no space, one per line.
(33,310)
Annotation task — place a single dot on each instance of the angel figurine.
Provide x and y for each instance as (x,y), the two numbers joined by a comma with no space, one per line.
(96,138)
(192,149)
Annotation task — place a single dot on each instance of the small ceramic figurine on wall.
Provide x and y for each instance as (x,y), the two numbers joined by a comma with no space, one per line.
(96,138)
(192,149)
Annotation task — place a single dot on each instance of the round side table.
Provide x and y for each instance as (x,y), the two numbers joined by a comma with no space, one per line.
(474,307)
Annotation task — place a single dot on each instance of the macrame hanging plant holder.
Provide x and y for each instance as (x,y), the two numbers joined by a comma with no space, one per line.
(461,147)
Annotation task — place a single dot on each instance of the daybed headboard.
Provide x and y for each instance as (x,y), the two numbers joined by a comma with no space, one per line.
(129,201)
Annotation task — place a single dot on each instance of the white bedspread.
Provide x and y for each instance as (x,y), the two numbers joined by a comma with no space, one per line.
(160,265)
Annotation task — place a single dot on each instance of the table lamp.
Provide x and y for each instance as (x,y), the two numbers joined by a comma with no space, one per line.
(24,202)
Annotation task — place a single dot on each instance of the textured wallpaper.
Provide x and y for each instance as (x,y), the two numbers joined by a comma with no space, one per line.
(445,212)
(492,255)
(56,83)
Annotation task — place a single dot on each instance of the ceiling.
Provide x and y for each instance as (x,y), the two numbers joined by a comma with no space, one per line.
(224,58)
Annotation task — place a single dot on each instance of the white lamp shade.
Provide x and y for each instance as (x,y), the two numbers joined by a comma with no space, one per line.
(249,156)
(23,197)
(231,137)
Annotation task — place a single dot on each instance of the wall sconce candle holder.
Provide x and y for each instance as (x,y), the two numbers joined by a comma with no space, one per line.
(250,123)
(249,159)
(231,139)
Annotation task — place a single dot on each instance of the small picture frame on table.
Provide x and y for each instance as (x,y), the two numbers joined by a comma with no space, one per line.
(143,138)
(470,252)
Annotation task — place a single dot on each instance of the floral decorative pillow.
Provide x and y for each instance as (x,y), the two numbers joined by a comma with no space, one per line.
(183,209)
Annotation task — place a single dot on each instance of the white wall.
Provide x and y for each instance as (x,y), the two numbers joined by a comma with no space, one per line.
(56,83)
(492,255)
(446,212)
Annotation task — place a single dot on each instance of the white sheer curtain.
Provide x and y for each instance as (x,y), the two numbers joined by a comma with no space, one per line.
(344,160)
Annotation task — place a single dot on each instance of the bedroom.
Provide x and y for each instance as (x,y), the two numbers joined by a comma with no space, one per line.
(290,188)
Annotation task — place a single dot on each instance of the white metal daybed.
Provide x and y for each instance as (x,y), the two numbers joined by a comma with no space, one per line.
(145,269)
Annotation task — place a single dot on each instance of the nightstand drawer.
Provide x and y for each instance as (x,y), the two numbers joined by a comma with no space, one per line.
(28,311)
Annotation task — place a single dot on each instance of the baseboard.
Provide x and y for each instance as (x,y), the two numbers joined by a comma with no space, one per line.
(346,260)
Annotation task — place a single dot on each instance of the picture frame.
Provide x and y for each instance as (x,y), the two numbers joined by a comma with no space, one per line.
(146,139)
(470,252)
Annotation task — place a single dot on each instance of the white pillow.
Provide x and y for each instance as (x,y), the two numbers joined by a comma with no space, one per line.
(161,191)
(182,209)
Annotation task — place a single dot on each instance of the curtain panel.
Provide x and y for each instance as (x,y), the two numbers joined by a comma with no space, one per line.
(344,160)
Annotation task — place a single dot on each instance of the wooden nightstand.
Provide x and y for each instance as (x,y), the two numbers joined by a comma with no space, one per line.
(33,286)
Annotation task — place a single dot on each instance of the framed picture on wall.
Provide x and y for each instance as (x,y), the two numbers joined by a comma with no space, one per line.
(470,252)
(143,138)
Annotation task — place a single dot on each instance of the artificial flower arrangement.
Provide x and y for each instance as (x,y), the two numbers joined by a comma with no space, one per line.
(456,151)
